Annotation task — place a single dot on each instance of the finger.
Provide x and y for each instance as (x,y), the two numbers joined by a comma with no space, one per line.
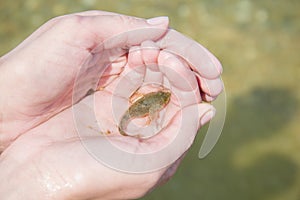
(146,54)
(207,98)
(210,87)
(180,76)
(207,112)
(135,57)
(199,58)
(150,52)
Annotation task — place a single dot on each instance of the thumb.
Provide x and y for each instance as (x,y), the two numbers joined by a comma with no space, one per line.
(126,31)
(89,29)
(99,26)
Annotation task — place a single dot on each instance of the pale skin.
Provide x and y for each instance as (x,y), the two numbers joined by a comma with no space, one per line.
(42,156)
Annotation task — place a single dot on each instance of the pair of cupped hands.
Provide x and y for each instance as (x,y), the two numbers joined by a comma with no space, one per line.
(42,156)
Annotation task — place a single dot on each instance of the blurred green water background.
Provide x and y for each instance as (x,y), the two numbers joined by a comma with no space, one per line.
(258,43)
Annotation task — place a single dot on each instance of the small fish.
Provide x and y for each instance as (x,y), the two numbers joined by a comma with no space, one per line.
(148,105)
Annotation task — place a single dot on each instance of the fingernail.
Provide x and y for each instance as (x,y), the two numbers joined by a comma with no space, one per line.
(158,20)
(207,117)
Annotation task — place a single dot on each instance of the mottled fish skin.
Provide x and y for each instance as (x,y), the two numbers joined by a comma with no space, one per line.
(149,104)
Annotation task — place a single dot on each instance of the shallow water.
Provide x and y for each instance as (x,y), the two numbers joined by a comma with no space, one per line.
(257,156)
